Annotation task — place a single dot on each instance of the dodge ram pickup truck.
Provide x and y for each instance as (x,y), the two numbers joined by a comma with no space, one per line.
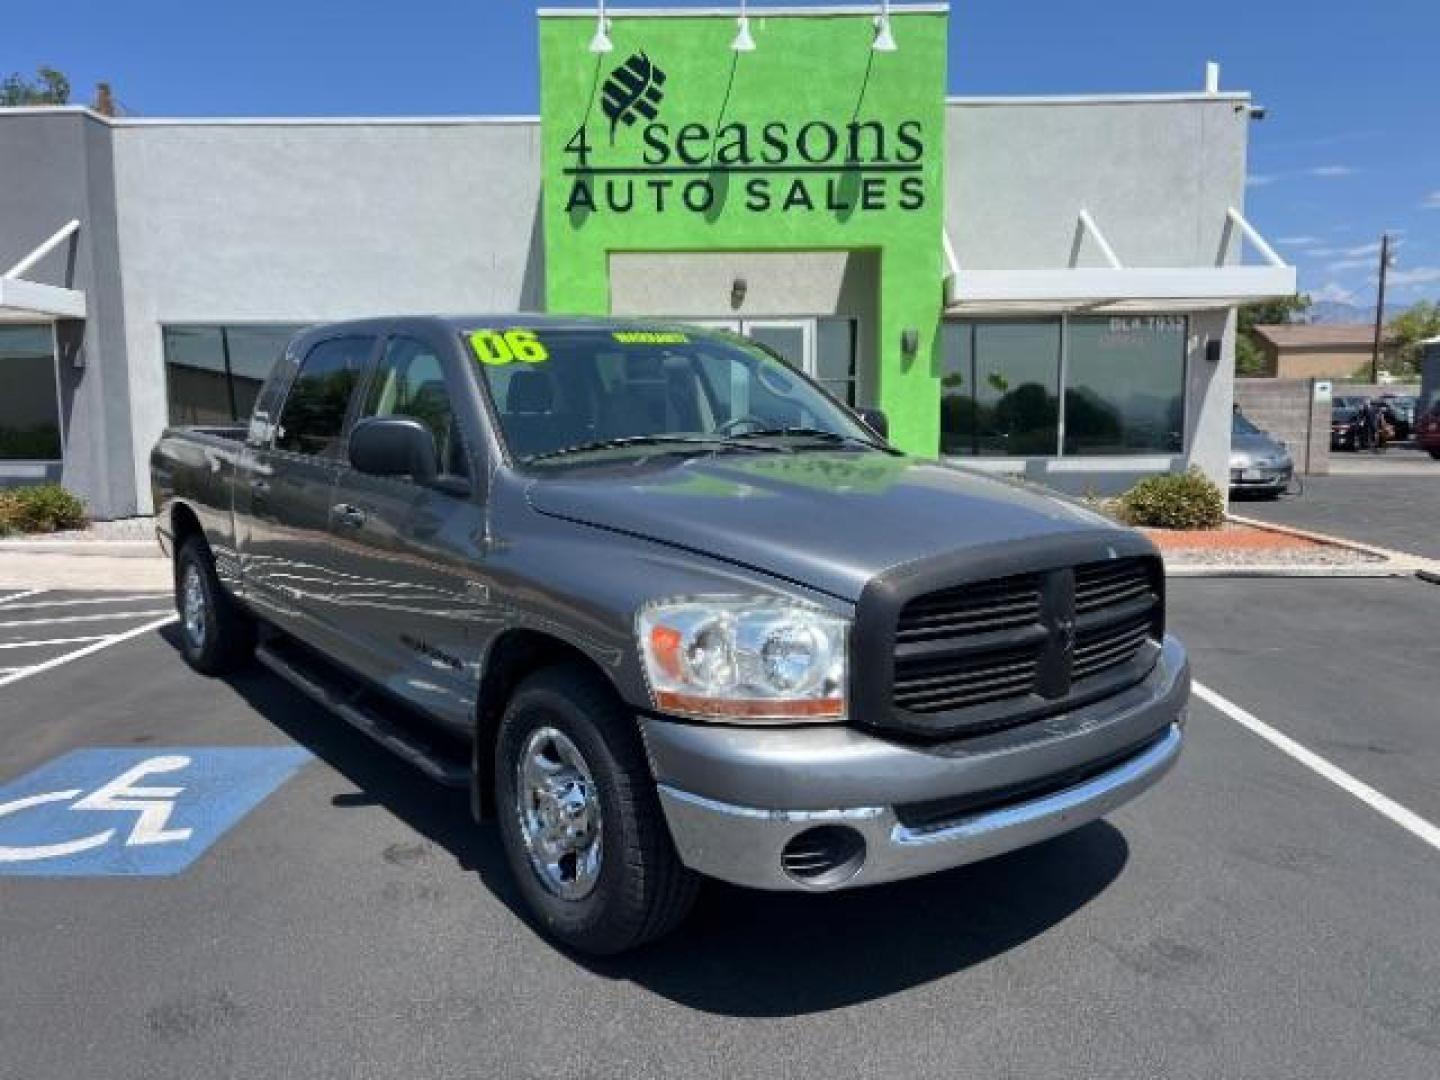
(668,610)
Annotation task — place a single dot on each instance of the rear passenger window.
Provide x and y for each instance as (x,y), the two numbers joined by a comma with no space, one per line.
(411,382)
(314,412)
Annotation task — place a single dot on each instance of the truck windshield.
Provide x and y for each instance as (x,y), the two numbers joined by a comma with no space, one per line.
(562,394)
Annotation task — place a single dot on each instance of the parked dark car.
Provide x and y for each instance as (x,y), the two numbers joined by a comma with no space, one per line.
(1259,462)
(667,609)
(1347,428)
(1427,430)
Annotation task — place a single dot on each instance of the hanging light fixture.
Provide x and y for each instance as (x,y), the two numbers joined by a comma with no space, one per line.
(884,38)
(601,43)
(743,41)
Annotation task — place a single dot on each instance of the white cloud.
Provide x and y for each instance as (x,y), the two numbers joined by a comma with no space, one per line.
(1349,264)
(1420,275)
(1298,241)
(1432,201)
(1335,292)
(1331,171)
(1259,180)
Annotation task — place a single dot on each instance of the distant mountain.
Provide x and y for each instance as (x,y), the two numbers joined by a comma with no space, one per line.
(1334,311)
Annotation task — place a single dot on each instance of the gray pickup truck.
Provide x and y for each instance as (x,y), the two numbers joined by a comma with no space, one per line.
(668,610)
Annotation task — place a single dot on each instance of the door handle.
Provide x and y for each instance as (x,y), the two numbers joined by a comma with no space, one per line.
(259,485)
(349,515)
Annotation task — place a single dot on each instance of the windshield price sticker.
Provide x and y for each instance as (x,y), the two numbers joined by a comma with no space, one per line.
(651,337)
(500,347)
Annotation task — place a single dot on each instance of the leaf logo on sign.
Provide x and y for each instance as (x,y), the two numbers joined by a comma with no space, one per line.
(632,91)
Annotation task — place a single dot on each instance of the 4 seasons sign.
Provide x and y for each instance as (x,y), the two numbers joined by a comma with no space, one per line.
(701,157)
(860,164)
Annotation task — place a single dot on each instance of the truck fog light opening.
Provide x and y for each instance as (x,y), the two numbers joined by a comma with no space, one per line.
(824,857)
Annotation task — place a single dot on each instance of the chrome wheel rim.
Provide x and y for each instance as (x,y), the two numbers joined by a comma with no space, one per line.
(559,812)
(192,605)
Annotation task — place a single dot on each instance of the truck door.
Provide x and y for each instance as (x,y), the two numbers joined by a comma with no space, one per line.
(413,596)
(286,556)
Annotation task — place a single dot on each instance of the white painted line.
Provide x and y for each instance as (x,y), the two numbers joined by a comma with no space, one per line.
(1383,804)
(82,618)
(51,641)
(79,603)
(104,643)
(20,595)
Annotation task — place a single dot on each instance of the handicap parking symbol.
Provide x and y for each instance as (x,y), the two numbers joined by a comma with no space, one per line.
(103,812)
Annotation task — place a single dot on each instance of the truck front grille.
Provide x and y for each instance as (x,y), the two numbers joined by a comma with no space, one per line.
(988,654)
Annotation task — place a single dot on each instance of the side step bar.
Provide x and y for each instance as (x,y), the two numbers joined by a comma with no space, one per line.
(352,707)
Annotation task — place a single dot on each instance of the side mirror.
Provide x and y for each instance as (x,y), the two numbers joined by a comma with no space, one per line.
(876,421)
(394,446)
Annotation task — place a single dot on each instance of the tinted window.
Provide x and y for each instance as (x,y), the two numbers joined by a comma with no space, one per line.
(314,412)
(213,373)
(29,410)
(1125,384)
(411,382)
(1000,387)
(1242,426)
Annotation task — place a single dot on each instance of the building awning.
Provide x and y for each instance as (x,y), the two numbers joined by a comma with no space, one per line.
(25,301)
(1118,288)
(30,301)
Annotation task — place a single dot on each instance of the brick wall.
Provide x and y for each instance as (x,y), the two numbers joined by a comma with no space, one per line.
(1287,409)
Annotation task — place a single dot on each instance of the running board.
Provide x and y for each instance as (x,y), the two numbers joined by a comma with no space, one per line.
(310,679)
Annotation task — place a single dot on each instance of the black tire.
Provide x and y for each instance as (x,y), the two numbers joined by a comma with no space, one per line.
(223,638)
(1434,454)
(641,890)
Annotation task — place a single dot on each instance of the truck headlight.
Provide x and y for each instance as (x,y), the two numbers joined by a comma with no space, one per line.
(744,659)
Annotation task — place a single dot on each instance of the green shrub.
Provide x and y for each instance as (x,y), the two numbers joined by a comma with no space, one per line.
(42,509)
(1174,501)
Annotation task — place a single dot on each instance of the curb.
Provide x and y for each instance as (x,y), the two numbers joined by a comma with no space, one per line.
(116,549)
(1291,570)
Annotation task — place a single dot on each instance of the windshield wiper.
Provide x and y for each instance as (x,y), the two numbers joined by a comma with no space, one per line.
(815,433)
(703,442)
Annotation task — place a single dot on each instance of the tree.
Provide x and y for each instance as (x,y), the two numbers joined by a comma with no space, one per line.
(1249,360)
(1407,330)
(50,87)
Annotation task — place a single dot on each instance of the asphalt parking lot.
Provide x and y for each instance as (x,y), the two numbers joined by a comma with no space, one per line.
(1391,504)
(342,917)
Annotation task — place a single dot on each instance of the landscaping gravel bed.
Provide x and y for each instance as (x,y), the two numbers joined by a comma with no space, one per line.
(122,530)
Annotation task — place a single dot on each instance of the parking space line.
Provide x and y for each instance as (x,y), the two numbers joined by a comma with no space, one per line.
(77,603)
(52,641)
(20,595)
(83,618)
(1407,819)
(88,650)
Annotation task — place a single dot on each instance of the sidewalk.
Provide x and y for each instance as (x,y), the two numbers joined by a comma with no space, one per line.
(28,570)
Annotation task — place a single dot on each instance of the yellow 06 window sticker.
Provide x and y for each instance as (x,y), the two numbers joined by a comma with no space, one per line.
(499,347)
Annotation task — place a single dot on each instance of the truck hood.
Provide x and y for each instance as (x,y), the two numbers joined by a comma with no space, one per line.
(830,521)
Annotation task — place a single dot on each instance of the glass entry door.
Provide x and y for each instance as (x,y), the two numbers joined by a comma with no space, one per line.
(822,348)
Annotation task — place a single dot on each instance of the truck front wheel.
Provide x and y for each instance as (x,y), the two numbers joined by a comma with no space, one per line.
(579,817)
(216,637)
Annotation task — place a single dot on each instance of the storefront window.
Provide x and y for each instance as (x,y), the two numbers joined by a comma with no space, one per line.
(213,373)
(1125,384)
(1000,388)
(29,407)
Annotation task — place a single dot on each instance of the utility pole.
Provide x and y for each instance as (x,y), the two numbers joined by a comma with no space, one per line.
(1380,309)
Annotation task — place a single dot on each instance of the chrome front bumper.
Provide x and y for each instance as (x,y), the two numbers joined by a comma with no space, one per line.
(785,782)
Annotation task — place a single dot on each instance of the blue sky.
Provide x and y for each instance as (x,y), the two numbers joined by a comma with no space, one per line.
(1351,144)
